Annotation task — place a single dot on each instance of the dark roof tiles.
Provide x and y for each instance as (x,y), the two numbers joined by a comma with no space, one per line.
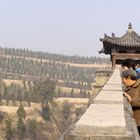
(130,39)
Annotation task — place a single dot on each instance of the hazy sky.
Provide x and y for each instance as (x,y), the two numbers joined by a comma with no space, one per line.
(70,27)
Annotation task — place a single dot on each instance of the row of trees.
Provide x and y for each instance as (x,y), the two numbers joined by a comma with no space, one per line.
(78,85)
(17,67)
(83,93)
(53,57)
(25,92)
(15,92)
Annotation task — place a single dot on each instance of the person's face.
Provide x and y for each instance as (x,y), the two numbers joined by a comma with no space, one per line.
(127,81)
(124,68)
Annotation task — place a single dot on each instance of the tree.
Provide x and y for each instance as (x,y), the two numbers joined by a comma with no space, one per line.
(0,98)
(78,111)
(89,85)
(66,110)
(72,92)
(20,125)
(6,95)
(29,93)
(8,129)
(13,93)
(21,112)
(5,91)
(81,93)
(59,92)
(19,94)
(1,91)
(46,90)
(24,91)
(32,128)
(84,93)
(89,95)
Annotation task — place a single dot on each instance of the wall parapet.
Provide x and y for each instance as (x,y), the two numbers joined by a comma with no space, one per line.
(109,117)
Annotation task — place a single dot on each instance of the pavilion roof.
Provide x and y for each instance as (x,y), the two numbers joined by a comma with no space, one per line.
(129,39)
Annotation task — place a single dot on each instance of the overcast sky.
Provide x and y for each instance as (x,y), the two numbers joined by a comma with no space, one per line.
(69,27)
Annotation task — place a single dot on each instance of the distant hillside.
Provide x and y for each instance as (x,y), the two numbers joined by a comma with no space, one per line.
(30,65)
(73,72)
(68,79)
(53,57)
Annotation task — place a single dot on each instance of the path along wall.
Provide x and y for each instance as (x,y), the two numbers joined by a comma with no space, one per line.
(109,117)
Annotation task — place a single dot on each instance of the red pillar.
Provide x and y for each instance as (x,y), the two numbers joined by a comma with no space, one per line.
(113,61)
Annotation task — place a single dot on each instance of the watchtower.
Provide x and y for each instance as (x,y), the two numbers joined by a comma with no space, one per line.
(120,48)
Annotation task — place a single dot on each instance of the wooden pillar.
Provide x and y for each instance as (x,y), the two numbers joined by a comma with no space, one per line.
(113,61)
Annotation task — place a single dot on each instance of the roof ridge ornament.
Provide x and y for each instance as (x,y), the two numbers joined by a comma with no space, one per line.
(105,35)
(129,25)
(113,35)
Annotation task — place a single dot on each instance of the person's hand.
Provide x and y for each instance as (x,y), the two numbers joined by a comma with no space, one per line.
(127,96)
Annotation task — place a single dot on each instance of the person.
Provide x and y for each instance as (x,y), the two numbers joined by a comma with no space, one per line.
(138,70)
(129,64)
(132,93)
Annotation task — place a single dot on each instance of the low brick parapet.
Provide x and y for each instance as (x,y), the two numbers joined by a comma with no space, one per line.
(109,117)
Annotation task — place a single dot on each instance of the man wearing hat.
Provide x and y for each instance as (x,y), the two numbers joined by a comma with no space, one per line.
(132,93)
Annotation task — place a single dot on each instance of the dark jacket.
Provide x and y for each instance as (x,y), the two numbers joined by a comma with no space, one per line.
(134,92)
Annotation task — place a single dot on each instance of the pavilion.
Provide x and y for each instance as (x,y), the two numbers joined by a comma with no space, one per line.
(120,48)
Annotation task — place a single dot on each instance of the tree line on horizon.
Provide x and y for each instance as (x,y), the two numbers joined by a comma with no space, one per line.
(54,57)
